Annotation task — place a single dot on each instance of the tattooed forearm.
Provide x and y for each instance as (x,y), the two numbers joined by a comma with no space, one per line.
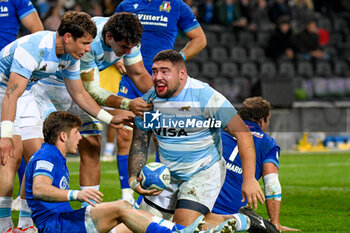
(47,198)
(138,151)
(12,89)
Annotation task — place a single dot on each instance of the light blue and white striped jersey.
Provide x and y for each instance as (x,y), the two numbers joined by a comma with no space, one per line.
(101,55)
(34,57)
(187,127)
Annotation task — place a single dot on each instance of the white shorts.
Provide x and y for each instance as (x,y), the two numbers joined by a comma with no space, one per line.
(28,123)
(52,95)
(203,188)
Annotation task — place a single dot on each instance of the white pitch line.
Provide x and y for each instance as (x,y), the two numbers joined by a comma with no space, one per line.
(343,189)
(340,164)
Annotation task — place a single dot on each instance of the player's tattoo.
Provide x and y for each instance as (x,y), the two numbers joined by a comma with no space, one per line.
(138,151)
(47,198)
(12,89)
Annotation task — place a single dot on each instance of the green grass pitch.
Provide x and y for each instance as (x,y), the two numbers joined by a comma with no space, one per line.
(315,190)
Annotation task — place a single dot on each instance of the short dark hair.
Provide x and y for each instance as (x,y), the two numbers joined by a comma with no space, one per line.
(170,55)
(79,24)
(255,108)
(124,26)
(57,122)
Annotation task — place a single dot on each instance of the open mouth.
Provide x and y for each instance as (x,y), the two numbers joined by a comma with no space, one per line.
(160,87)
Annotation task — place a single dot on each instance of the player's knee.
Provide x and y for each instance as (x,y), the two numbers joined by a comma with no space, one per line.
(122,207)
(124,137)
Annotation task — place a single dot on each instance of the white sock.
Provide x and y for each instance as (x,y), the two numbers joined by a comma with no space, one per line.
(5,213)
(163,222)
(25,219)
(109,148)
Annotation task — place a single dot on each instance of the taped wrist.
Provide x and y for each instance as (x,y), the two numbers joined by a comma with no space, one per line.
(6,129)
(72,195)
(133,183)
(272,187)
(104,116)
(125,104)
(98,93)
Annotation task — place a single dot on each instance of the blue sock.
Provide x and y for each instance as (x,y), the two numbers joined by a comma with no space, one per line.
(242,224)
(123,171)
(178,227)
(157,157)
(20,172)
(155,228)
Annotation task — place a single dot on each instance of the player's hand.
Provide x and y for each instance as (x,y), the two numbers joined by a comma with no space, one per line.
(90,194)
(6,149)
(119,121)
(252,192)
(283,228)
(120,66)
(138,106)
(145,192)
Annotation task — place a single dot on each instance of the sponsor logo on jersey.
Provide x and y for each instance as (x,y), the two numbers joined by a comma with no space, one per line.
(136,6)
(257,134)
(165,6)
(233,168)
(44,165)
(4,11)
(123,90)
(185,108)
(63,183)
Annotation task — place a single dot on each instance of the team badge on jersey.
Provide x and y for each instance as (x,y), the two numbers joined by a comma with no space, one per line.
(165,6)
(124,90)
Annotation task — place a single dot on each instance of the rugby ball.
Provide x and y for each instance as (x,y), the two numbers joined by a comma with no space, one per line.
(155,176)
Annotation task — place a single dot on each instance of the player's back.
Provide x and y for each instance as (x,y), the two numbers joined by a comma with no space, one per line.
(265,148)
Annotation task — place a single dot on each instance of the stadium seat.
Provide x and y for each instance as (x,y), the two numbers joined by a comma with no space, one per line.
(192,69)
(227,39)
(304,68)
(336,40)
(268,70)
(256,54)
(341,68)
(210,69)
(263,38)
(249,70)
(223,85)
(219,54)
(323,69)
(246,38)
(212,39)
(203,56)
(340,25)
(331,51)
(229,70)
(240,89)
(324,23)
(238,54)
(286,69)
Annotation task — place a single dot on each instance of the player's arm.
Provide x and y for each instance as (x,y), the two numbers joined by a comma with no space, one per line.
(197,42)
(15,88)
(137,160)
(80,96)
(32,22)
(106,98)
(44,190)
(139,76)
(250,188)
(273,195)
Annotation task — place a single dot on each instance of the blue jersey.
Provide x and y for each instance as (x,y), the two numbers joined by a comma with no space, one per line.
(34,57)
(161,21)
(187,127)
(11,12)
(267,151)
(102,56)
(47,161)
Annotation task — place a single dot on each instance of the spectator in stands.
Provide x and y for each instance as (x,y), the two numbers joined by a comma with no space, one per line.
(307,42)
(280,43)
(278,8)
(228,13)
(52,18)
(206,12)
(260,17)
(302,11)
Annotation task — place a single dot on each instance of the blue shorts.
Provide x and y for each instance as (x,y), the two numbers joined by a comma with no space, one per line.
(128,89)
(66,222)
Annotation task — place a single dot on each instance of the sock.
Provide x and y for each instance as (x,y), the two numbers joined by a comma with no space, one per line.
(25,219)
(138,202)
(5,213)
(20,172)
(123,171)
(155,228)
(96,187)
(241,224)
(157,157)
(163,222)
(109,148)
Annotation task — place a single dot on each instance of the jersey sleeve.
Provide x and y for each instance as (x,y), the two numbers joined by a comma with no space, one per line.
(187,21)
(24,8)
(87,62)
(216,106)
(133,57)
(72,71)
(26,59)
(44,167)
(147,116)
(273,156)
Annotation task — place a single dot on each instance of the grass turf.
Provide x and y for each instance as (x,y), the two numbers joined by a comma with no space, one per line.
(315,190)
